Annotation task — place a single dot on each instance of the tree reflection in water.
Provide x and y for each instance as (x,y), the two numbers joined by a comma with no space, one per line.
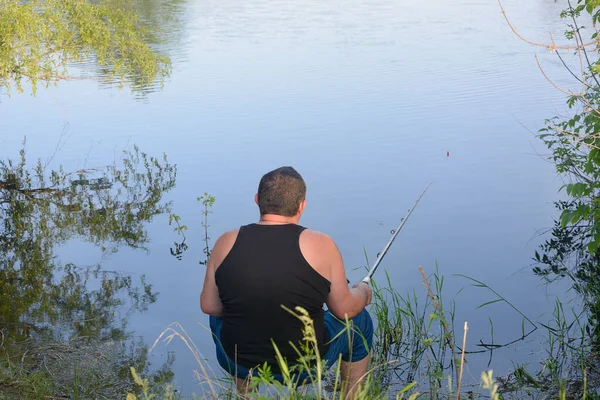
(55,315)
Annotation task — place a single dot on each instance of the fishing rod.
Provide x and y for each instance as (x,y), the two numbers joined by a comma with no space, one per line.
(395,232)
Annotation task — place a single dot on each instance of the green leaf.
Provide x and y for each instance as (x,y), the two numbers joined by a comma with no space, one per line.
(576,189)
(408,387)
(592,247)
(565,217)
(589,7)
(136,377)
(488,303)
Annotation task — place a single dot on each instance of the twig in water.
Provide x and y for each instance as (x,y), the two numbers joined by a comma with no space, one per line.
(207,201)
(462,361)
(500,298)
(552,46)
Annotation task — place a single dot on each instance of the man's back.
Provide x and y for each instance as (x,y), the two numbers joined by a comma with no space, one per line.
(264,270)
(252,271)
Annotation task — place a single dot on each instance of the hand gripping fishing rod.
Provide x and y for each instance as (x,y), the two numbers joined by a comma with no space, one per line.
(395,232)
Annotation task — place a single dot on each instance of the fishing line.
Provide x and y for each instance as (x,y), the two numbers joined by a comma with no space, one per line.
(394,232)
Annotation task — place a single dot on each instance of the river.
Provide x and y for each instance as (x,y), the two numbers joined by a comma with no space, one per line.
(370,101)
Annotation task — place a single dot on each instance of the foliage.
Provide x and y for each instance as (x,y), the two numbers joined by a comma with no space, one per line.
(40,38)
(40,210)
(77,369)
(569,366)
(399,372)
(179,248)
(490,385)
(72,309)
(317,382)
(207,201)
(411,357)
(147,392)
(573,248)
(407,339)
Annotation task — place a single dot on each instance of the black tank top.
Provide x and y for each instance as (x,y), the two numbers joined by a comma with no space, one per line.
(264,270)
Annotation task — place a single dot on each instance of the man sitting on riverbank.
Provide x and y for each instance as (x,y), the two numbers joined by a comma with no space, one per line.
(255,270)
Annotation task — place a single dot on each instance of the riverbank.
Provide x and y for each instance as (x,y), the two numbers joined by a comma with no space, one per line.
(417,355)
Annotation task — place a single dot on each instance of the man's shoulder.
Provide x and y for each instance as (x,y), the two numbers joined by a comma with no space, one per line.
(223,246)
(316,239)
(229,234)
(320,251)
(316,234)
(228,238)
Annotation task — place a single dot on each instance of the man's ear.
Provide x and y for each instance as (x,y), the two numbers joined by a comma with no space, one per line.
(302,207)
(256,198)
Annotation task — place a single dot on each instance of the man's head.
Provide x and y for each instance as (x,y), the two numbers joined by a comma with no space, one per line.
(281,192)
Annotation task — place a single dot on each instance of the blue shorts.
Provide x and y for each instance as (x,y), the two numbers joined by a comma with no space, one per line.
(358,348)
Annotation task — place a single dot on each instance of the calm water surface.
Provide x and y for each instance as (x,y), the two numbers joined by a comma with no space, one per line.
(365,99)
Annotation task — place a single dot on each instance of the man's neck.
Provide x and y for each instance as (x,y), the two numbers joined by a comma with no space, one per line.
(274,219)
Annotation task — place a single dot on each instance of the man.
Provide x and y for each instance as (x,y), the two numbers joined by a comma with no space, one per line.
(255,270)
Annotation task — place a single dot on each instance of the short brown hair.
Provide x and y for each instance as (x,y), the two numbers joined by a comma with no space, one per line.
(281,191)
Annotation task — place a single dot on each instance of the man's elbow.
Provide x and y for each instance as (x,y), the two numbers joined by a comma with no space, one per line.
(210,308)
(215,313)
(206,309)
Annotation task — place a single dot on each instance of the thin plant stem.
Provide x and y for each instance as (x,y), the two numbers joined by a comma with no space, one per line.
(462,361)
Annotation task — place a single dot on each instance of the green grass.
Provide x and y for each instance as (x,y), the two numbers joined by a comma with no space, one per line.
(79,369)
(417,354)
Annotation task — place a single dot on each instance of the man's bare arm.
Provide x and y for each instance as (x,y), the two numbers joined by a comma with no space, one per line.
(210,303)
(209,298)
(343,301)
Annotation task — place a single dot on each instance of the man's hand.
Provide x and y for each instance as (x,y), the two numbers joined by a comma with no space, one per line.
(366,289)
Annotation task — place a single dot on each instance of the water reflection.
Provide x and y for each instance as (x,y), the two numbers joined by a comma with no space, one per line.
(73,309)
(164,25)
